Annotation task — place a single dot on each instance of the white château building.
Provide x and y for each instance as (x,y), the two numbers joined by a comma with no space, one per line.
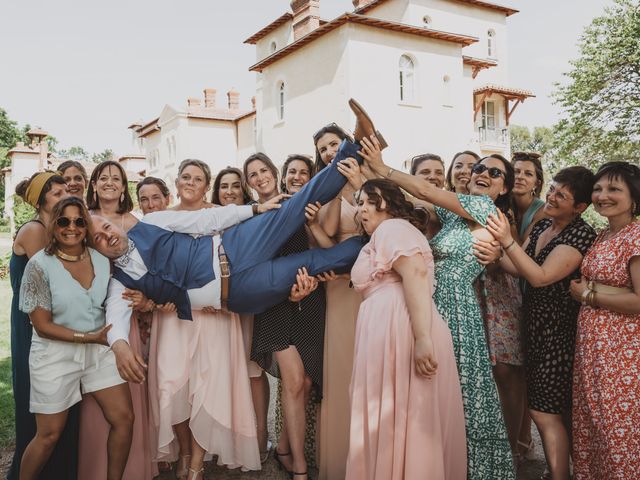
(432,74)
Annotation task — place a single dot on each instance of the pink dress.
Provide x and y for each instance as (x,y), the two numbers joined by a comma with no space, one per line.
(94,431)
(198,372)
(403,426)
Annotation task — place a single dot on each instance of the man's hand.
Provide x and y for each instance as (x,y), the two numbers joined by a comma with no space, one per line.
(272,204)
(130,365)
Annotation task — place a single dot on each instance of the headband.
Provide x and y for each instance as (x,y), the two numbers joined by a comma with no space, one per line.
(34,190)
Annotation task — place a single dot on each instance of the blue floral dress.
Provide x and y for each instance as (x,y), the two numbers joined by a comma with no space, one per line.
(456,269)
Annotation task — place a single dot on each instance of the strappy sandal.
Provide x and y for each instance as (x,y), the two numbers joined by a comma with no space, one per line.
(293,474)
(264,455)
(528,452)
(182,467)
(194,474)
(281,466)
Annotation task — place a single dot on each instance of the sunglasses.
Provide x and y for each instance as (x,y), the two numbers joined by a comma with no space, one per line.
(525,156)
(323,130)
(64,222)
(494,172)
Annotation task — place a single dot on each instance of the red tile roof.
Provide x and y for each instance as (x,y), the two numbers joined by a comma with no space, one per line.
(478,62)
(504,91)
(269,28)
(478,3)
(463,40)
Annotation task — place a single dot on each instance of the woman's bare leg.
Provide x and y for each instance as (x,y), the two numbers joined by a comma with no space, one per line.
(260,395)
(117,409)
(511,384)
(555,441)
(37,453)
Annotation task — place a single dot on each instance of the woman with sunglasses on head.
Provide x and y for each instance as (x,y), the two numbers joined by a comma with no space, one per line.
(75,175)
(42,191)
(63,292)
(338,220)
(606,385)
(548,260)
(230,187)
(463,220)
(199,385)
(288,338)
(526,192)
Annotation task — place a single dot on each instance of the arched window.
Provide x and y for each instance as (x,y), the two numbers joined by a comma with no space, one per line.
(407,79)
(280,101)
(491,44)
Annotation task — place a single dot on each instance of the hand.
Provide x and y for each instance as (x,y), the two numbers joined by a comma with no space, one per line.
(137,300)
(498,226)
(351,170)
(425,357)
(99,336)
(130,365)
(273,204)
(311,213)
(304,285)
(210,310)
(144,326)
(577,288)
(487,252)
(372,154)
(330,276)
(166,307)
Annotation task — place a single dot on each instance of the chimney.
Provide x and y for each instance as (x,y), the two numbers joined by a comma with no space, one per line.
(234,99)
(193,102)
(360,3)
(306,17)
(210,98)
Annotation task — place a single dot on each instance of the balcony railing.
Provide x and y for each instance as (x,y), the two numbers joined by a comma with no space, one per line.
(493,136)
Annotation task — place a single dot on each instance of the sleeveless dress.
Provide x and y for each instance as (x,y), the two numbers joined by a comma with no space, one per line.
(456,269)
(403,426)
(62,464)
(339,341)
(550,316)
(606,385)
(527,218)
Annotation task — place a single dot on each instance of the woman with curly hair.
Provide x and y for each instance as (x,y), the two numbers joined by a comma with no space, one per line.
(406,402)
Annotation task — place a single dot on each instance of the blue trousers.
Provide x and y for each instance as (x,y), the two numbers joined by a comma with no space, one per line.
(259,279)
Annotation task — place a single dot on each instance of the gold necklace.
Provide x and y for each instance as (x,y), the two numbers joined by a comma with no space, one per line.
(71,258)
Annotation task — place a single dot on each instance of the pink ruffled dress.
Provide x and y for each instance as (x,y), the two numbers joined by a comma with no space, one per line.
(403,426)
(198,372)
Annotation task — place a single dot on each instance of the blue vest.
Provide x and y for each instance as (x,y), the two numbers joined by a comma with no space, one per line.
(176,262)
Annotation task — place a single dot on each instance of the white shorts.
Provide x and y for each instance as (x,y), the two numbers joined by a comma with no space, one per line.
(61,372)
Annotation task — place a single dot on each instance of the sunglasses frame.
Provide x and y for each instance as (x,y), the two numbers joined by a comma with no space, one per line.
(479,169)
(79,222)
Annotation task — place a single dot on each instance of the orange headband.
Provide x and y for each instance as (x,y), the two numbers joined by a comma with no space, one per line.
(35,187)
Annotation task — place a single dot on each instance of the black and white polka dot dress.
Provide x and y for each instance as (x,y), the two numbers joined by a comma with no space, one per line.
(300,324)
(550,316)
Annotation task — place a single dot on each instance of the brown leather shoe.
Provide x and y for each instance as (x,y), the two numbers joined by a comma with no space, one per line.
(364,124)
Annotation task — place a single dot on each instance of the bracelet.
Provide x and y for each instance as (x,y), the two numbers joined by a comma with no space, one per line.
(585,294)
(390,172)
(510,245)
(254,208)
(78,337)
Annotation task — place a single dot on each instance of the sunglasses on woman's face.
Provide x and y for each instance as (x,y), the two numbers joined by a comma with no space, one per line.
(64,222)
(494,172)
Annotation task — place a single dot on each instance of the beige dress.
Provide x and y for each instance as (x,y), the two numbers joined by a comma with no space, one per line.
(342,310)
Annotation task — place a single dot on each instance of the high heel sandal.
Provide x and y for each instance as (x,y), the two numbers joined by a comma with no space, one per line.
(195,473)
(528,452)
(264,455)
(182,467)
(281,466)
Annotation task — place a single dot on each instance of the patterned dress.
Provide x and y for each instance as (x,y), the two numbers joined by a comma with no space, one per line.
(550,316)
(606,387)
(488,450)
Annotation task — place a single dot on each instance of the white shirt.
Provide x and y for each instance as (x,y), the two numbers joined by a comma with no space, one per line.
(208,221)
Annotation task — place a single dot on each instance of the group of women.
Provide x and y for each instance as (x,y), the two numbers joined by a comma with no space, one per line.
(458,326)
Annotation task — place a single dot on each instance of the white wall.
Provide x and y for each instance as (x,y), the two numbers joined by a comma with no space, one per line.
(282,36)
(246,139)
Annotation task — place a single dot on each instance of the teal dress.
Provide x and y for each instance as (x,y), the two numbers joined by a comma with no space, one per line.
(456,269)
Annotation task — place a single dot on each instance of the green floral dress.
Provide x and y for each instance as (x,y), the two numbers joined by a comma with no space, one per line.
(488,451)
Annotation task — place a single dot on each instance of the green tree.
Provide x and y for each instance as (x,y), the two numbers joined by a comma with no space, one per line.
(107,154)
(9,131)
(74,153)
(540,140)
(601,99)
(22,211)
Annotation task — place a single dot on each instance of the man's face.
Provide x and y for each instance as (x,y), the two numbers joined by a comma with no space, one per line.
(110,240)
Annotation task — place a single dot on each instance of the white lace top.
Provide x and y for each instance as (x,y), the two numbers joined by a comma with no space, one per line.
(46,284)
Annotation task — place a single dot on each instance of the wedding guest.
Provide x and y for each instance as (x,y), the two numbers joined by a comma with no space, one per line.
(606,382)
(108,195)
(42,191)
(153,195)
(526,192)
(463,219)
(63,292)
(459,172)
(548,260)
(429,167)
(406,403)
(75,175)
(201,397)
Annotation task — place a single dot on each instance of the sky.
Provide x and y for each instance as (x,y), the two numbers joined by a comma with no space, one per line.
(85,70)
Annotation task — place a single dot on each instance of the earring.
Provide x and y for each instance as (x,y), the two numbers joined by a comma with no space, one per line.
(122,197)
(95,197)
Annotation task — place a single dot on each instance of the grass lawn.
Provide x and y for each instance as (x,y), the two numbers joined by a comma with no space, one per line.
(6,390)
